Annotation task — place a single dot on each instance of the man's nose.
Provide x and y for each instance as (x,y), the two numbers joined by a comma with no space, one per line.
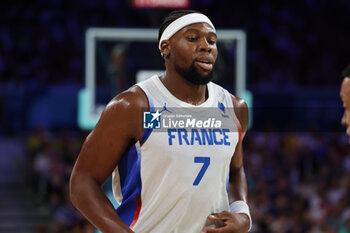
(204,45)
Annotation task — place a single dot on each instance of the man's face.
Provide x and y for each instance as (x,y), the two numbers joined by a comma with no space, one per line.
(345,96)
(193,52)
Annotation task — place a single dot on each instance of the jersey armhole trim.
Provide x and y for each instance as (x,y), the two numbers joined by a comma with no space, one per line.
(239,127)
(148,132)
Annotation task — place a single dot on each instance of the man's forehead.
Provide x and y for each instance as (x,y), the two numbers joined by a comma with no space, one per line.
(204,27)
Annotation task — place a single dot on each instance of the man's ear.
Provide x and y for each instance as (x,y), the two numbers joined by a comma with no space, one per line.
(165,48)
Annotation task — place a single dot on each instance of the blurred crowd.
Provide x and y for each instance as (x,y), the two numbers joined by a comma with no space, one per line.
(52,156)
(298,182)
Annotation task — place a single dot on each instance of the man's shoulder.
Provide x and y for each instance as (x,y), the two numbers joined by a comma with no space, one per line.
(237,102)
(132,98)
(123,113)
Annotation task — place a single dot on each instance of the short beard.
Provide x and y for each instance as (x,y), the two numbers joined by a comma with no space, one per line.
(193,76)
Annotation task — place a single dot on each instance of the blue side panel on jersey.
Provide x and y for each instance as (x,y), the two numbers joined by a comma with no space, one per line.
(130,181)
(145,136)
(129,168)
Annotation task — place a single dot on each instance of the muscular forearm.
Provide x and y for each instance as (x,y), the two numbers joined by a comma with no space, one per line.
(87,196)
(239,195)
(239,184)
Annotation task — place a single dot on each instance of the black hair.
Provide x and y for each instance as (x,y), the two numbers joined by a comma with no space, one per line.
(346,72)
(171,17)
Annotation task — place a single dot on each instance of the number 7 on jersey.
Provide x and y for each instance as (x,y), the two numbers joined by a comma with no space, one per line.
(206,162)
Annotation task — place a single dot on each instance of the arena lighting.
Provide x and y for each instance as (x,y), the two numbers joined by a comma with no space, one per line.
(161,3)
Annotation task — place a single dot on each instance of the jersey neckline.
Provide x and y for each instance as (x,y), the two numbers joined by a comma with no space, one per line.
(167,93)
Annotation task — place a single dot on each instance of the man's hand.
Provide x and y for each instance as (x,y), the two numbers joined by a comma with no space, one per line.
(227,222)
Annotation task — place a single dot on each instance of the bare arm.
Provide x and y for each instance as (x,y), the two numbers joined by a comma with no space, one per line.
(118,128)
(237,175)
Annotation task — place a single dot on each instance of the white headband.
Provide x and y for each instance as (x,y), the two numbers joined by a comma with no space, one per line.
(183,22)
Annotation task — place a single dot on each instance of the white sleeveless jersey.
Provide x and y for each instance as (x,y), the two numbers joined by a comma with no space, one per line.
(177,174)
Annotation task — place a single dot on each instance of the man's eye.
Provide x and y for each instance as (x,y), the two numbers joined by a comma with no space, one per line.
(192,39)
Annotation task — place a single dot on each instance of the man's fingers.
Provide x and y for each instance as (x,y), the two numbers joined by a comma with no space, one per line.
(216,220)
(224,222)
(221,216)
(213,217)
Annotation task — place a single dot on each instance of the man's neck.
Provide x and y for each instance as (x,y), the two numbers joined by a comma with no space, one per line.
(184,90)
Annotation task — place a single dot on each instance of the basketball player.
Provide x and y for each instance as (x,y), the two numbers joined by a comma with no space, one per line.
(345,97)
(175,180)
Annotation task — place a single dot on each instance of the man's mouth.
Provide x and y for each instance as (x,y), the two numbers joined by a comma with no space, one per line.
(205,64)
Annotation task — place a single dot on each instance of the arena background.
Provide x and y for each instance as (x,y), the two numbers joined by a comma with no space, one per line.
(297,157)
